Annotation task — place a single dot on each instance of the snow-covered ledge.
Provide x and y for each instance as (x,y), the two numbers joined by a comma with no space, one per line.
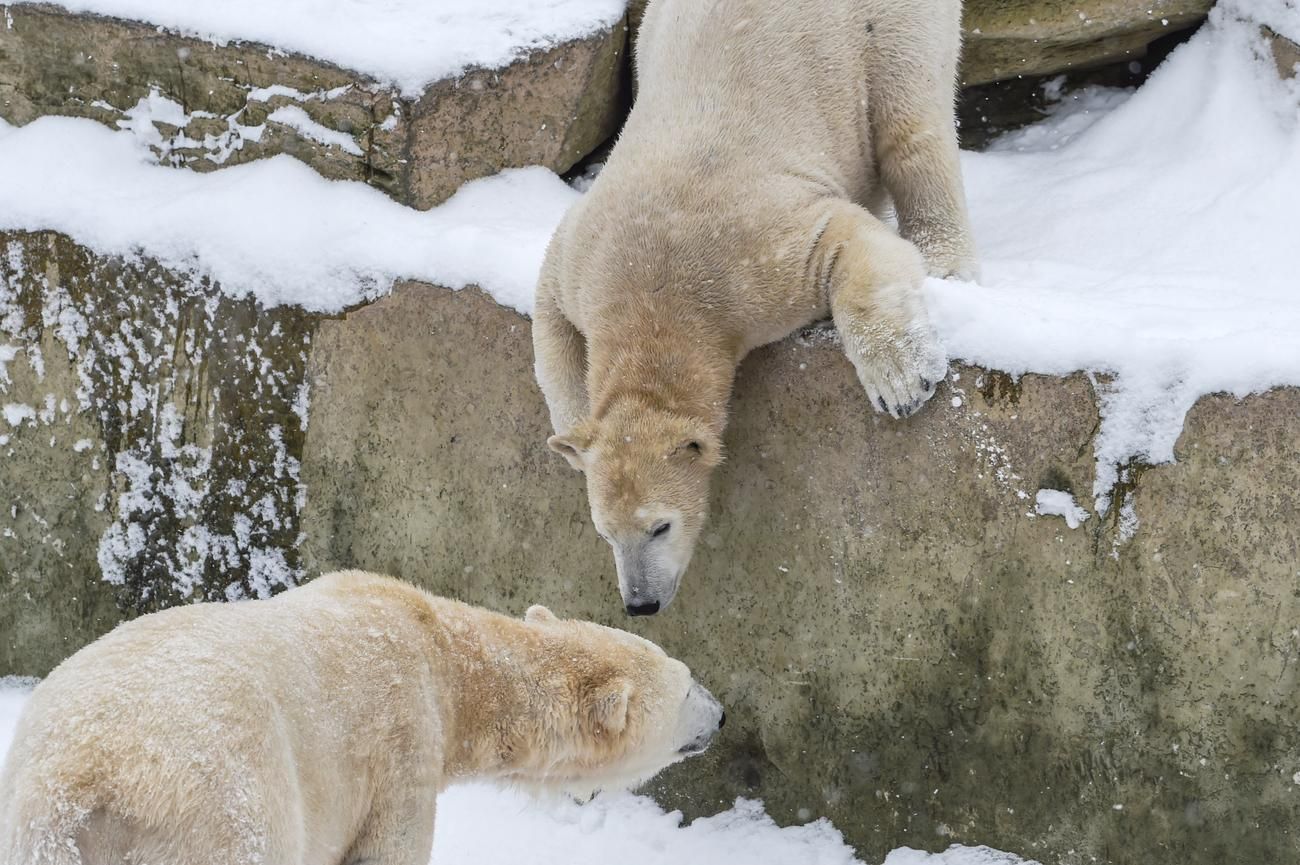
(414,102)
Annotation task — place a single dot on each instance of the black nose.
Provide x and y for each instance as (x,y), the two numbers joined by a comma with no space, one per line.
(722,722)
(647,608)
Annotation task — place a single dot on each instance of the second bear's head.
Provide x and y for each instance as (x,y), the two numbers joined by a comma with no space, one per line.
(648,485)
(609,709)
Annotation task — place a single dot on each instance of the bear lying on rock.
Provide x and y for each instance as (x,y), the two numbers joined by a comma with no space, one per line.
(320,726)
(742,202)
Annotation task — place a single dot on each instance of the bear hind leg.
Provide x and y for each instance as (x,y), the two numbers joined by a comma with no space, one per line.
(914,133)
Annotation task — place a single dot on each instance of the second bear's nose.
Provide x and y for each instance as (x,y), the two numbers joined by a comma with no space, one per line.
(648,608)
(722,721)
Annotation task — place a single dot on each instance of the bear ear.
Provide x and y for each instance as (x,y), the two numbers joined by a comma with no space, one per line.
(702,447)
(573,447)
(608,707)
(537,614)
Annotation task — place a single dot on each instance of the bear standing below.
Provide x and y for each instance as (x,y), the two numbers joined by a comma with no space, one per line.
(319,726)
(740,203)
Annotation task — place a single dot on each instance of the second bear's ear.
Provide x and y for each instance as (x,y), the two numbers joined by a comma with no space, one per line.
(608,707)
(573,447)
(537,614)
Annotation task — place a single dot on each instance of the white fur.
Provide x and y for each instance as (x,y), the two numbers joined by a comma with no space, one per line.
(319,727)
(741,202)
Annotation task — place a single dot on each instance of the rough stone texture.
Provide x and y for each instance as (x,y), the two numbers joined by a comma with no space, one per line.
(900,645)
(149,436)
(1010,38)
(1286,54)
(550,109)
(1006,39)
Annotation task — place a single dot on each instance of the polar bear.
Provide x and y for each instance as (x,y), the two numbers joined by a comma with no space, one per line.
(741,202)
(319,727)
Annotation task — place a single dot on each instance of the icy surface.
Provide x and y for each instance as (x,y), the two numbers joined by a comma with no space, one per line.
(1059,503)
(407,42)
(482,825)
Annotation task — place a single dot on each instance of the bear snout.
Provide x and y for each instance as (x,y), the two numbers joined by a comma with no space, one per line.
(705,718)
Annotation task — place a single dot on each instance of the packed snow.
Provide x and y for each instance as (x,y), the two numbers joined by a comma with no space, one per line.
(1059,503)
(484,825)
(409,43)
(1146,238)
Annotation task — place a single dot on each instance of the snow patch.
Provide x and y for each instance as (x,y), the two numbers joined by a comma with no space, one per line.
(274,228)
(410,43)
(300,121)
(15,413)
(1059,503)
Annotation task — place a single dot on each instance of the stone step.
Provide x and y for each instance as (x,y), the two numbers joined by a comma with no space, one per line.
(218,105)
(902,645)
(1008,39)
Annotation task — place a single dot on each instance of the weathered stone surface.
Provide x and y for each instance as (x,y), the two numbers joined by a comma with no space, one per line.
(550,109)
(1010,38)
(1286,54)
(900,645)
(1006,39)
(148,445)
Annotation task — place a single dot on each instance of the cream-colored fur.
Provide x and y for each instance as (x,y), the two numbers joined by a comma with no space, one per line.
(741,202)
(317,728)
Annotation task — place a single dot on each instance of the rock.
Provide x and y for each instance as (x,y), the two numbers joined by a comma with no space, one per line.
(1286,54)
(149,444)
(1012,38)
(902,644)
(551,108)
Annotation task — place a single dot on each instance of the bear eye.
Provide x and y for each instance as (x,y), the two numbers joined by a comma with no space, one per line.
(660,530)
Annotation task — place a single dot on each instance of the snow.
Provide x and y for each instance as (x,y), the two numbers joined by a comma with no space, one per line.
(485,825)
(409,43)
(15,413)
(1145,238)
(274,227)
(297,119)
(1059,503)
(1148,238)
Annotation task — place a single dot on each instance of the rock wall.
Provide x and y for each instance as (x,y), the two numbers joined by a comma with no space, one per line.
(903,645)
(1011,39)
(227,103)
(149,444)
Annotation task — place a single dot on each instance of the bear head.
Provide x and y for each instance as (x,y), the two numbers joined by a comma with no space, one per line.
(648,477)
(615,709)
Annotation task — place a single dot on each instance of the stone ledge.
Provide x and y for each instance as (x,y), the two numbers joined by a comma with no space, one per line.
(551,108)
